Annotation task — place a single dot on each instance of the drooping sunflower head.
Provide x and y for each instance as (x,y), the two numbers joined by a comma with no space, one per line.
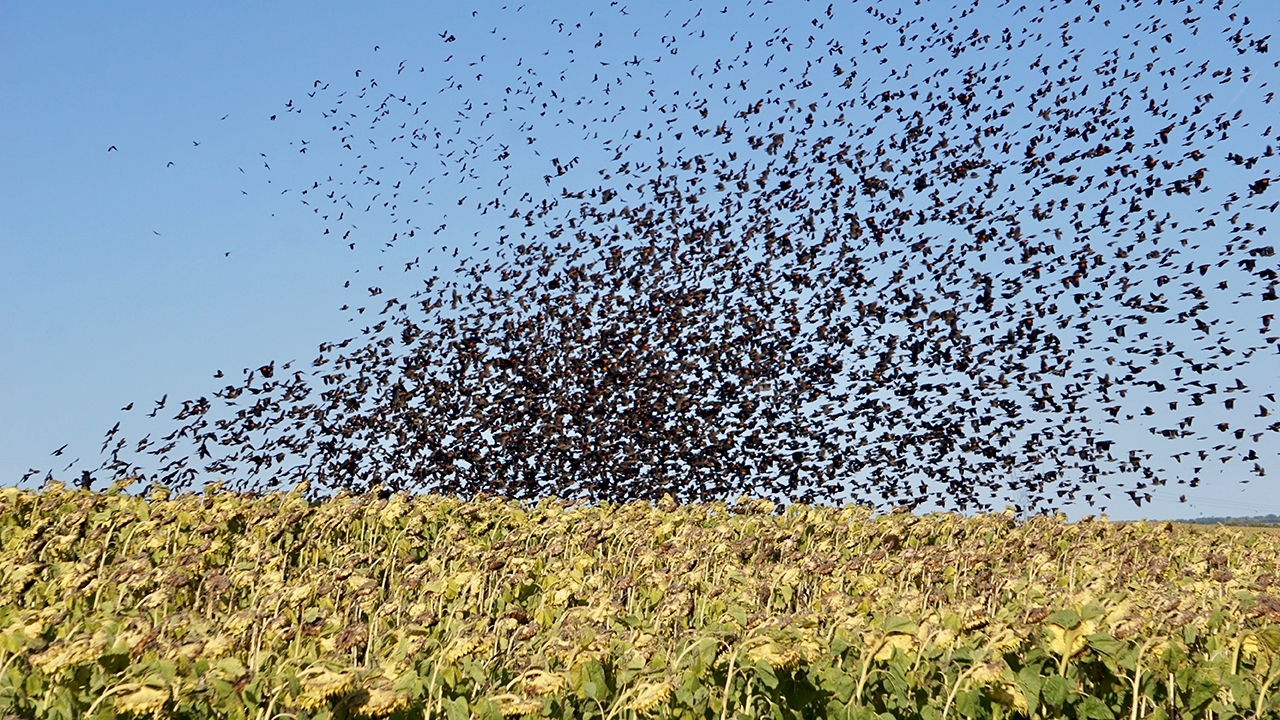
(650,694)
(145,700)
(319,687)
(381,701)
(776,655)
(511,705)
(540,682)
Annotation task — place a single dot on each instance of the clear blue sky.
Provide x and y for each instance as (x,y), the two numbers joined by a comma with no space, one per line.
(124,278)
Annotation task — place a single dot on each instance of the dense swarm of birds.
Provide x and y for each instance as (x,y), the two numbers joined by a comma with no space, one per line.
(948,258)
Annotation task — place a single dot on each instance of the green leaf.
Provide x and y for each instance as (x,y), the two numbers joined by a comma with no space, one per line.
(969,703)
(838,645)
(1106,644)
(862,712)
(1270,637)
(1055,691)
(1204,689)
(456,709)
(1092,611)
(707,653)
(255,691)
(635,665)
(767,676)
(168,669)
(1067,619)
(1031,682)
(34,684)
(1095,709)
(588,681)
(839,683)
(61,708)
(901,625)
(221,688)
(488,710)
(230,666)
(11,643)
(691,692)
(1189,635)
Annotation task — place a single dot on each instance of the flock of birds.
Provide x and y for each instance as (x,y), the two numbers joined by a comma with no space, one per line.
(980,253)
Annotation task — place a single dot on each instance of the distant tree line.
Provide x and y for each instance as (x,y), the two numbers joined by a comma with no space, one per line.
(1237,521)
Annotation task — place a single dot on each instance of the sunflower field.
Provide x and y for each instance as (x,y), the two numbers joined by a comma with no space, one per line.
(224,605)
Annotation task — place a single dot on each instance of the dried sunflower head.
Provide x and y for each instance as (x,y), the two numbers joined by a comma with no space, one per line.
(944,638)
(513,705)
(60,657)
(353,635)
(299,593)
(896,641)
(985,674)
(1003,638)
(26,624)
(381,702)
(648,695)
(1250,645)
(460,648)
(1067,643)
(810,650)
(143,701)
(319,687)
(777,656)
(540,682)
(1008,694)
(241,621)
(217,646)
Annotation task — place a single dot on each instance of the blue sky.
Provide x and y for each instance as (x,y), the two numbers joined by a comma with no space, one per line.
(124,278)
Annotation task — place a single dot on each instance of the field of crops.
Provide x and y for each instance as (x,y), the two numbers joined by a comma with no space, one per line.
(222,605)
